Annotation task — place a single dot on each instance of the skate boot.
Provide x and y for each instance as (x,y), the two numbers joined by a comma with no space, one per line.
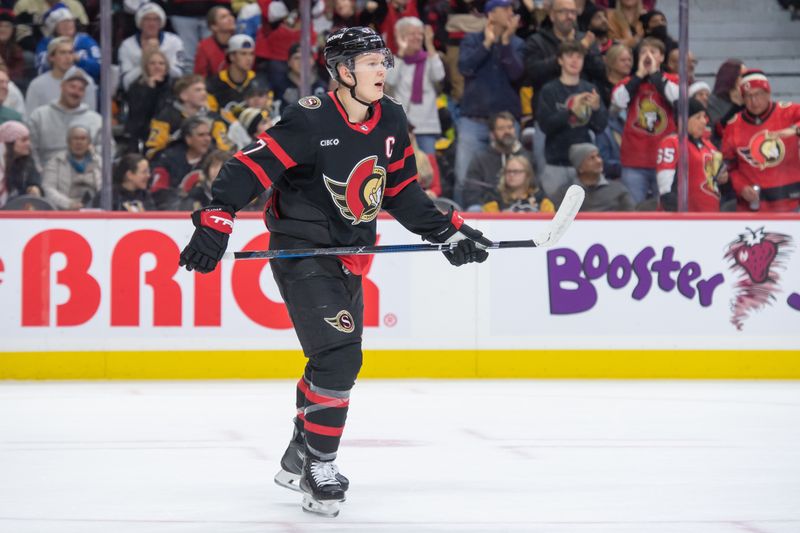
(292,464)
(322,491)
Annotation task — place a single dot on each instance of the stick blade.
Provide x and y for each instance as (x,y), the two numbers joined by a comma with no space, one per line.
(573,200)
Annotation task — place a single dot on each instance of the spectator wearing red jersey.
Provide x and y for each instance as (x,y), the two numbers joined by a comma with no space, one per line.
(384,14)
(188,18)
(648,96)
(211,57)
(760,147)
(705,166)
(280,29)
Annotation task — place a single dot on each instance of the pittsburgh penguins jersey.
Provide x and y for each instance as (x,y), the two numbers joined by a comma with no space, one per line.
(754,157)
(329,178)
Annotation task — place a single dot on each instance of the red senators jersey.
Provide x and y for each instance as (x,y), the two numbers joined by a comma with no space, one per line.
(754,157)
(649,118)
(704,164)
(329,177)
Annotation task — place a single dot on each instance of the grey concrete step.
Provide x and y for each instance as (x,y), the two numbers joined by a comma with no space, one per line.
(746,48)
(734,31)
(782,65)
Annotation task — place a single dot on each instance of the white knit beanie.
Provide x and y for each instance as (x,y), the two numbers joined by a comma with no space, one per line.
(147,9)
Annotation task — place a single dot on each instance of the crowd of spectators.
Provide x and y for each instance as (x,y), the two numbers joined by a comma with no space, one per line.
(508,103)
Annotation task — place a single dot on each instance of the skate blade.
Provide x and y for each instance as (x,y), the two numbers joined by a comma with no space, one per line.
(288,480)
(321,507)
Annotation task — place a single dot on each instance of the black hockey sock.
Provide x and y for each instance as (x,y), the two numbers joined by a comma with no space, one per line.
(324,416)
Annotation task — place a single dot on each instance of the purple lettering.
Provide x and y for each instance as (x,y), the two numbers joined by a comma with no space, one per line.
(643,273)
(564,267)
(619,272)
(706,288)
(794,301)
(690,272)
(599,253)
(664,266)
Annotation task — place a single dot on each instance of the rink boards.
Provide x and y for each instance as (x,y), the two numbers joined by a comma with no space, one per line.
(94,295)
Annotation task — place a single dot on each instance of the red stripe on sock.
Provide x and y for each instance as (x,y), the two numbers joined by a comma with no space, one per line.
(327,431)
(328,401)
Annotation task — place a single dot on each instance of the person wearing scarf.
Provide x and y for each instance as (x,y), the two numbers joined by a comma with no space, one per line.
(413,80)
(72,178)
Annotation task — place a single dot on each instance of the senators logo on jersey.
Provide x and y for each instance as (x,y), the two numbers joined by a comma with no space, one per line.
(712,163)
(359,197)
(763,151)
(651,117)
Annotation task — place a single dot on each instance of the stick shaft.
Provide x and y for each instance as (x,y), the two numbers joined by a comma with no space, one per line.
(365,250)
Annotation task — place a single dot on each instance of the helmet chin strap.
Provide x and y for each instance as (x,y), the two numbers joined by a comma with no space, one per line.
(352,88)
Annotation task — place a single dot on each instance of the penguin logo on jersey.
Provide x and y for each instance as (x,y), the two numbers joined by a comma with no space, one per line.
(343,321)
(651,117)
(763,151)
(359,197)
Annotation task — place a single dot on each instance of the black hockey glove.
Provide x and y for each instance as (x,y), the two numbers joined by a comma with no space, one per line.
(213,225)
(471,242)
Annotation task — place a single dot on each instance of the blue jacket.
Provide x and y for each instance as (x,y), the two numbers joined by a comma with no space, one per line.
(86,48)
(490,76)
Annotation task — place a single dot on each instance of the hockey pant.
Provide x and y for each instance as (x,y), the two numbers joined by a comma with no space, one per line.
(326,306)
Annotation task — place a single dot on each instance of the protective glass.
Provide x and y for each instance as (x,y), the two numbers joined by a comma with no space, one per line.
(374,61)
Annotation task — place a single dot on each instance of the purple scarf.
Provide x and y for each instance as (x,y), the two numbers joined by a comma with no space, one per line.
(418,60)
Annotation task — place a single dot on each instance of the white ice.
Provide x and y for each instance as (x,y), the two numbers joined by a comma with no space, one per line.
(422,456)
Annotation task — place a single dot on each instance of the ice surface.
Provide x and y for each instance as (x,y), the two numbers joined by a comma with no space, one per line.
(422,456)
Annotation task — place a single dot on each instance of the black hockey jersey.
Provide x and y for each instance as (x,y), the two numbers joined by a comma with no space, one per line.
(330,177)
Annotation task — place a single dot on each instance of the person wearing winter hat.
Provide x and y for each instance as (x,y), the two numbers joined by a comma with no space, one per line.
(706,171)
(226,89)
(251,123)
(761,149)
(700,90)
(18,174)
(30,15)
(60,22)
(601,194)
(150,21)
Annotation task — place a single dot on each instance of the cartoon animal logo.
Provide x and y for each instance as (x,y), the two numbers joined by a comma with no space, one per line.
(711,166)
(652,118)
(359,197)
(757,257)
(580,111)
(763,151)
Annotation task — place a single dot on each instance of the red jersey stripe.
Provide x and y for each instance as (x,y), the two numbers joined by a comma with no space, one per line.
(394,191)
(400,163)
(279,152)
(255,168)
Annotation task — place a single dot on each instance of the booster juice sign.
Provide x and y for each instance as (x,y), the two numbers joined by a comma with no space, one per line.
(101,282)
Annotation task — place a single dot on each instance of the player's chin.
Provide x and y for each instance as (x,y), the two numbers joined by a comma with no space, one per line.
(378,91)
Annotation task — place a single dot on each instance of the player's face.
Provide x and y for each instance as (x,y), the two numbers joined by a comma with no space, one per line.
(370,70)
(756,101)
(697,124)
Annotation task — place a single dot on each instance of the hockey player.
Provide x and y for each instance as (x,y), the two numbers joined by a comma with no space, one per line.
(331,164)
(760,146)
(705,166)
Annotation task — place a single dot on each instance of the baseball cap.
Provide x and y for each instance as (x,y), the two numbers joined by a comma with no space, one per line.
(492,4)
(240,41)
(76,73)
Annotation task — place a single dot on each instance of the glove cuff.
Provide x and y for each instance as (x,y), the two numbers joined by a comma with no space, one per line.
(445,232)
(217,218)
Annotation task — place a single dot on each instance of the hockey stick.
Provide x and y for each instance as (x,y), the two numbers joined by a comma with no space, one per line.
(558,226)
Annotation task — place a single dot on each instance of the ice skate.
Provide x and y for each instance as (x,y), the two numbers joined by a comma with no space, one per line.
(321,489)
(292,464)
